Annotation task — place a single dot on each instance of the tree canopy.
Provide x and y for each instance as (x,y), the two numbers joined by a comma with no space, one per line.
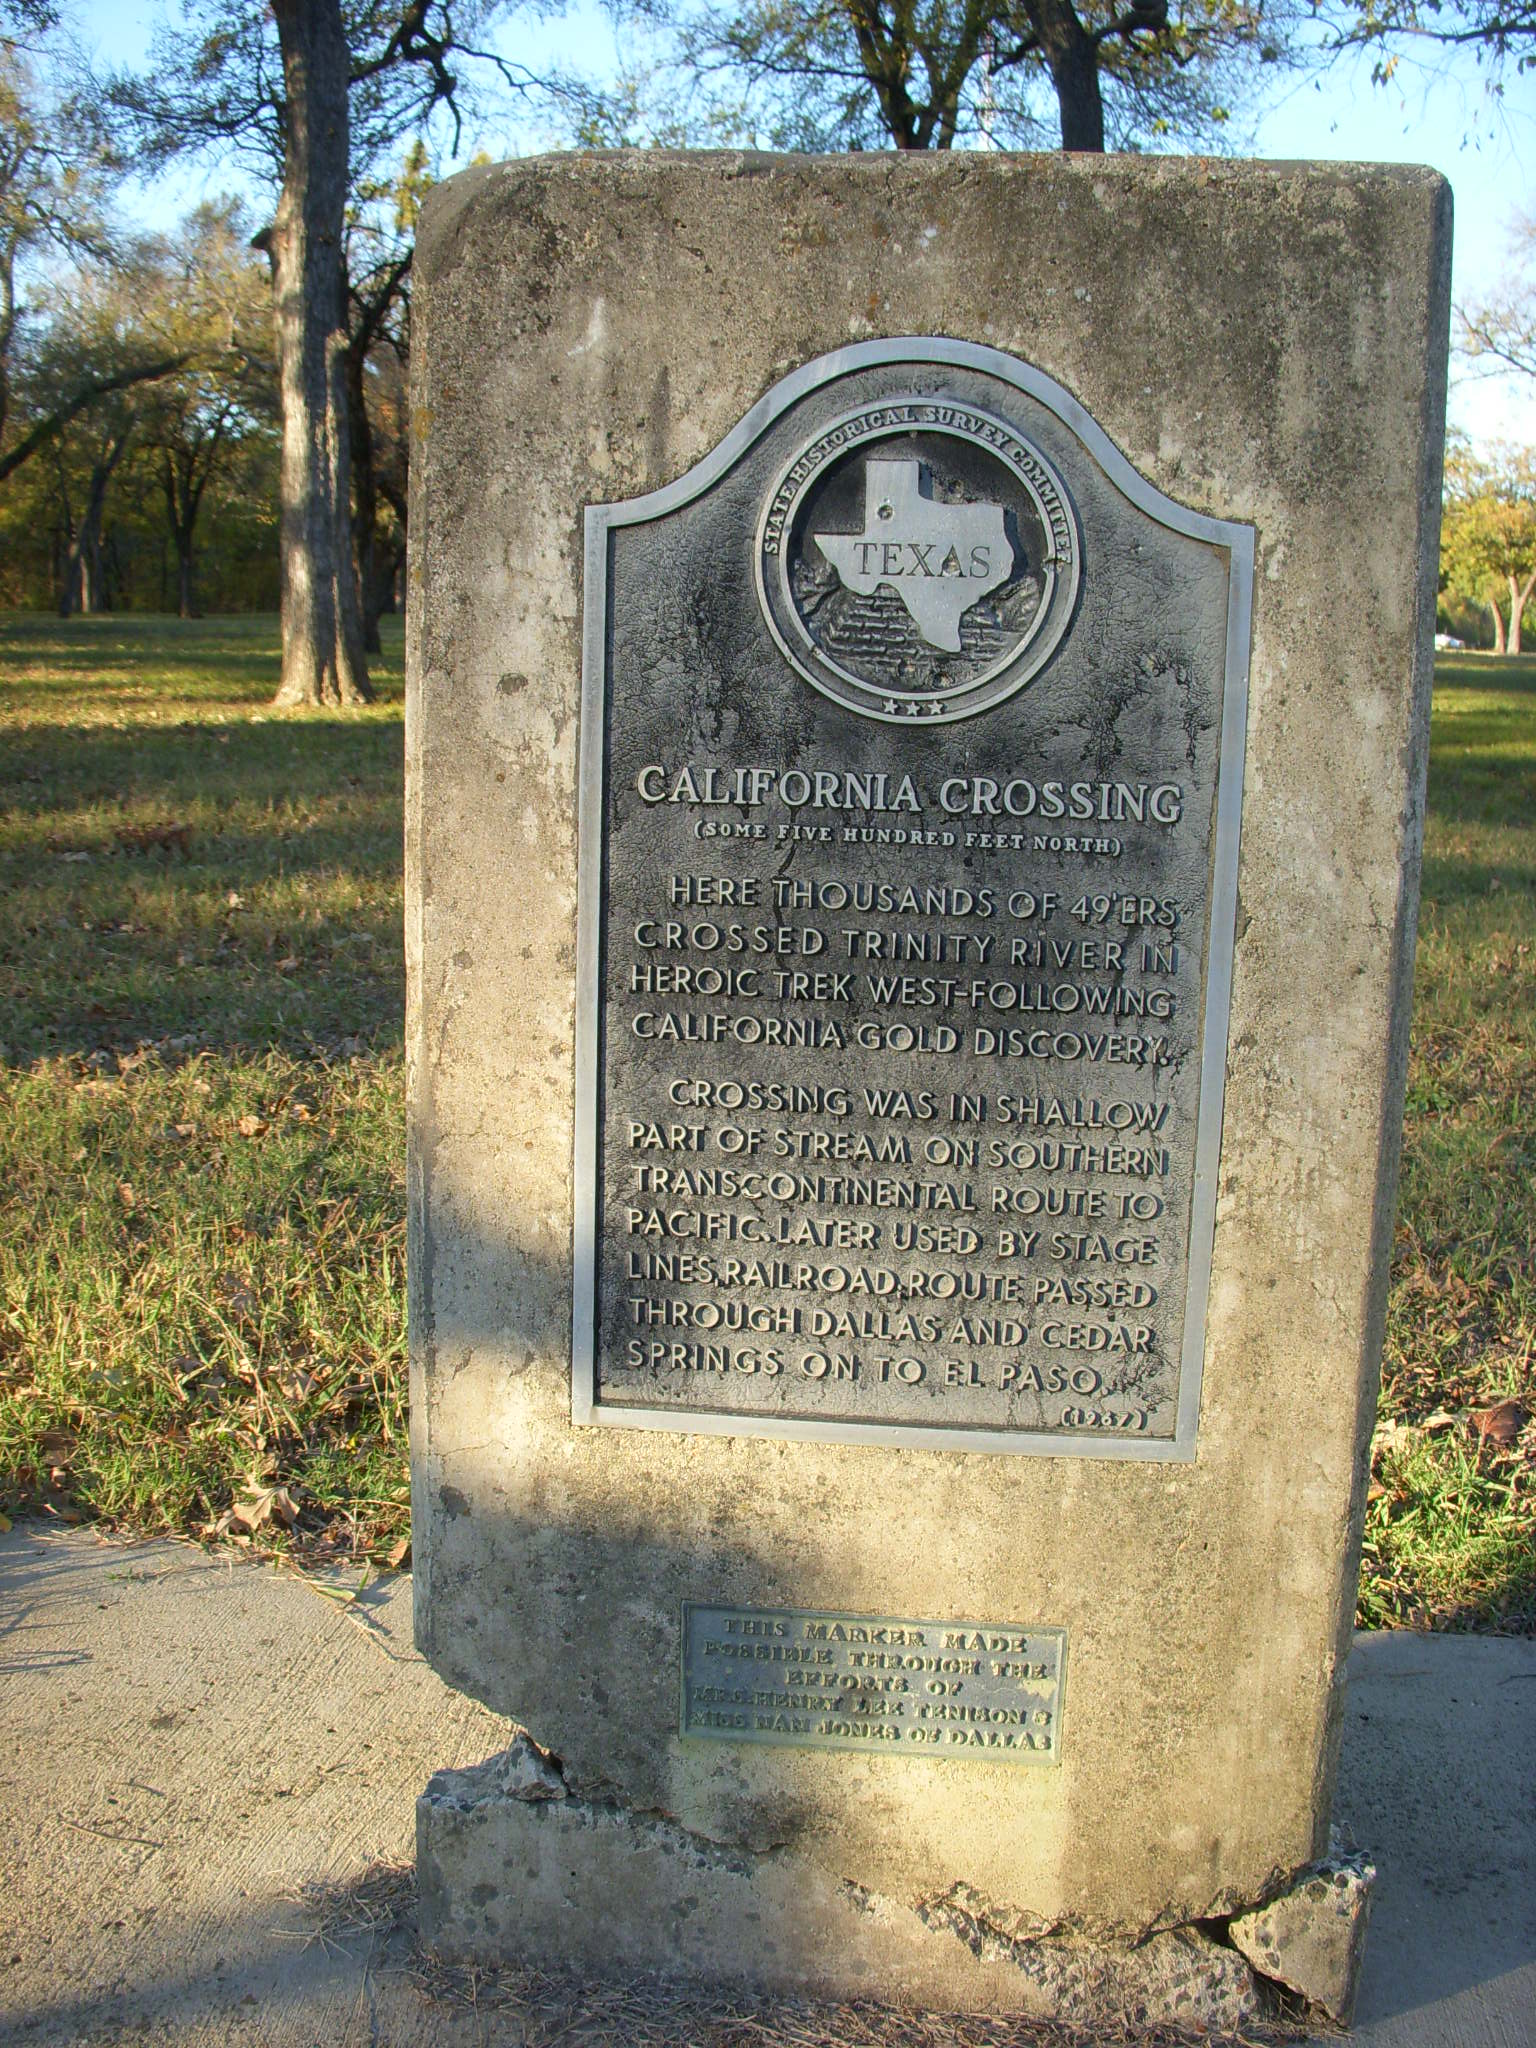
(55,169)
(1503,32)
(932,74)
(1498,332)
(193,304)
(1488,534)
(316,96)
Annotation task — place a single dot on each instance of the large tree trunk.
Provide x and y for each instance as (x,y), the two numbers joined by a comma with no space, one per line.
(1519,598)
(365,497)
(81,587)
(1498,624)
(323,661)
(1072,56)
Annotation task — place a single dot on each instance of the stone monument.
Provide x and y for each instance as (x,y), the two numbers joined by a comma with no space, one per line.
(917,715)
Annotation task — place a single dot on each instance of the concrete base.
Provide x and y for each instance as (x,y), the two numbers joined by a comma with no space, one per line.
(186,1746)
(1311,1939)
(507,1855)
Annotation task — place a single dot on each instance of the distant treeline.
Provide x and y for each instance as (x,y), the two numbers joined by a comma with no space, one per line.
(137,567)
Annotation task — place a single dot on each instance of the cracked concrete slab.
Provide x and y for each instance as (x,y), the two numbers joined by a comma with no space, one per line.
(188,1743)
(185,1745)
(675,1902)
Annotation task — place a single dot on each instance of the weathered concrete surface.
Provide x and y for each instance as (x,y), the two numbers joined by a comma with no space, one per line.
(185,1745)
(508,1857)
(1311,1938)
(1265,343)
(154,1853)
(1438,1782)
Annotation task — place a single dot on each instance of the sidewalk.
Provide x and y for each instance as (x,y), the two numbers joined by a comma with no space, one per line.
(186,1745)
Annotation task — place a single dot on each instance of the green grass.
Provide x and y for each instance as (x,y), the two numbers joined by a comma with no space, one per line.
(1451,1526)
(201,1241)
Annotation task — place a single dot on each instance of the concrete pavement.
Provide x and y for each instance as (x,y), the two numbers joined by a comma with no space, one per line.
(186,1745)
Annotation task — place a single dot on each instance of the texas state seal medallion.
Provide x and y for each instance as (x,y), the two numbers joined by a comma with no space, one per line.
(918,560)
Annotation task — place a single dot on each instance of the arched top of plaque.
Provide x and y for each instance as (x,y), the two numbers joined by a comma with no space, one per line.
(911,769)
(918,557)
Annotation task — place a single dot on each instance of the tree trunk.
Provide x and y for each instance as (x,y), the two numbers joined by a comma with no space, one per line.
(1072,56)
(1519,599)
(7,325)
(183,495)
(90,574)
(1498,625)
(365,497)
(377,593)
(323,660)
(81,584)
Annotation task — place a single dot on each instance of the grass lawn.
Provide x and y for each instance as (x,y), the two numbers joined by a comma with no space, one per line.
(1450,1537)
(202,1290)
(202,1240)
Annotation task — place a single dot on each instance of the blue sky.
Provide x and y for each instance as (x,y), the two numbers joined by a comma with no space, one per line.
(1436,113)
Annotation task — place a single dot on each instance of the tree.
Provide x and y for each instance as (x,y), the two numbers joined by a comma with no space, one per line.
(82,580)
(1499,333)
(218,302)
(82,388)
(194,309)
(318,93)
(926,74)
(54,173)
(1488,535)
(380,244)
(1502,32)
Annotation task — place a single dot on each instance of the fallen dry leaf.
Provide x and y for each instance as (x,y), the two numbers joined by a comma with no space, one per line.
(141,838)
(1392,1436)
(1500,1424)
(261,1506)
(250,1126)
(125,1194)
(236,1293)
(398,1553)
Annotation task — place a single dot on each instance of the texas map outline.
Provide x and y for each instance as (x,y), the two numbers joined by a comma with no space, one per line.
(939,559)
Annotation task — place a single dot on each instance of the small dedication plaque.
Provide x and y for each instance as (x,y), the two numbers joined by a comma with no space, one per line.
(855,1681)
(911,778)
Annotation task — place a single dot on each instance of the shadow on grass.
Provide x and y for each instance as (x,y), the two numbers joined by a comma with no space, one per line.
(276,922)
(130,659)
(188,763)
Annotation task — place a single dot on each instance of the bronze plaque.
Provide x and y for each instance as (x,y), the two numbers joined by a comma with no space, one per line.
(978,1690)
(911,766)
